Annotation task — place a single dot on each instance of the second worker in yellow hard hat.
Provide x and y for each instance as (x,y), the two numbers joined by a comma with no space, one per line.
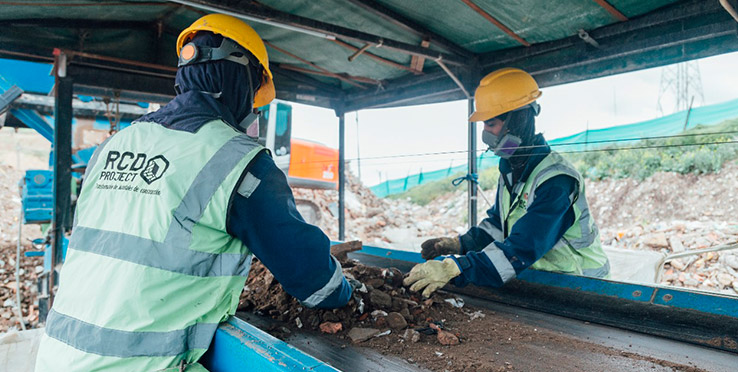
(540,218)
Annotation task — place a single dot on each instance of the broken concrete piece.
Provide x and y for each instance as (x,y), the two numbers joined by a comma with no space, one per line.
(330,327)
(396,320)
(362,334)
(725,279)
(380,299)
(657,241)
(411,335)
(447,338)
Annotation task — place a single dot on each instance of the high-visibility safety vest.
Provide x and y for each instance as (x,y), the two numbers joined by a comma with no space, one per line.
(150,270)
(579,251)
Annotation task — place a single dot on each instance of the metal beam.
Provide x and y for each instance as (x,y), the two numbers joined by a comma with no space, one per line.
(45,105)
(360,79)
(99,80)
(377,58)
(642,24)
(408,24)
(61,222)
(317,28)
(341,174)
(495,22)
(472,161)
(322,69)
(612,10)
(648,59)
(618,52)
(439,89)
(308,83)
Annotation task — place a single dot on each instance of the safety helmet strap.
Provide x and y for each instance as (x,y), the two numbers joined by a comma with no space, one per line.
(228,50)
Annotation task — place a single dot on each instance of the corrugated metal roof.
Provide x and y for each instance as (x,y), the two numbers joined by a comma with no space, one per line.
(471,36)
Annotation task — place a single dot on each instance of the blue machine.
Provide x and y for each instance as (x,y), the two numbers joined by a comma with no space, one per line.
(38,196)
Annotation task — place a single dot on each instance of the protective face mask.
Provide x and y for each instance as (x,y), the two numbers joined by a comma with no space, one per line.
(503,147)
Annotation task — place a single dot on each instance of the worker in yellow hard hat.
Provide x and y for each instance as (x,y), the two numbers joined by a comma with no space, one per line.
(170,213)
(540,218)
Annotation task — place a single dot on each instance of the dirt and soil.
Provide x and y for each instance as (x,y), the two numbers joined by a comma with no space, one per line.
(434,333)
(20,150)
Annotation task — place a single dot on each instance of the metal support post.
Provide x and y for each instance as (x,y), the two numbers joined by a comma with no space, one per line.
(341,174)
(472,186)
(62,165)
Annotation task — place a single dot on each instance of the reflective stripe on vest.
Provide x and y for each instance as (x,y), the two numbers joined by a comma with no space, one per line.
(185,274)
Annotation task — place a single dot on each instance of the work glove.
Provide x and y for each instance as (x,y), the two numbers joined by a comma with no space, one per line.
(435,247)
(432,275)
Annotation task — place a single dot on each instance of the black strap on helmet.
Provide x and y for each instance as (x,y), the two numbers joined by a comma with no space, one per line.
(228,50)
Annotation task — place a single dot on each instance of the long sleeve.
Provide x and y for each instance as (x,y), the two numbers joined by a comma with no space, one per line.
(263,216)
(532,236)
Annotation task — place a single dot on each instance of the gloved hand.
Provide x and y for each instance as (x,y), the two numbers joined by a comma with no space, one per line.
(435,247)
(432,275)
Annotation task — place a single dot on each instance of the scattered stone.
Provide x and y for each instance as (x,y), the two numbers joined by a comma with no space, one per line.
(396,321)
(376,283)
(406,314)
(444,337)
(330,327)
(330,317)
(676,244)
(380,299)
(732,261)
(447,338)
(358,335)
(657,241)
(678,264)
(411,335)
(725,279)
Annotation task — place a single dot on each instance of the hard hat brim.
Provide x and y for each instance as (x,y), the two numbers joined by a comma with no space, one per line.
(266,92)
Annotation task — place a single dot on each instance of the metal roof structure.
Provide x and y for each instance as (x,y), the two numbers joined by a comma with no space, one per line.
(356,54)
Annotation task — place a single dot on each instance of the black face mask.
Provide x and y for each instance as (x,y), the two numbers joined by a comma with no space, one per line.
(230,82)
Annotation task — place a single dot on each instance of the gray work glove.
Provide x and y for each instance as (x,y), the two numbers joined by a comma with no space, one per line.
(435,247)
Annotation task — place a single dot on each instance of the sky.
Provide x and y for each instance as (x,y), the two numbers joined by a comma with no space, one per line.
(565,110)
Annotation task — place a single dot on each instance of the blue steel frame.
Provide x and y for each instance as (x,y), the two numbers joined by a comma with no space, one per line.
(702,318)
(240,347)
(705,302)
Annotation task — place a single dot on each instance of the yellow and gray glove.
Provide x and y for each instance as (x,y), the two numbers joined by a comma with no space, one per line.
(432,275)
(435,247)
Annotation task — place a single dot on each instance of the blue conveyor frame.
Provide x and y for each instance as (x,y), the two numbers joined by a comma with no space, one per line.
(238,346)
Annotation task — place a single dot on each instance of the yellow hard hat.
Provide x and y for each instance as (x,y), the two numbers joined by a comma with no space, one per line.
(245,36)
(503,90)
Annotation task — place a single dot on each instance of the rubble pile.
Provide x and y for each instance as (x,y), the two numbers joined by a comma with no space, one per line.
(380,305)
(387,223)
(440,334)
(687,212)
(30,267)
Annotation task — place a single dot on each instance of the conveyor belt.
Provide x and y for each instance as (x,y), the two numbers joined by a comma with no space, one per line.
(612,349)
(337,352)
